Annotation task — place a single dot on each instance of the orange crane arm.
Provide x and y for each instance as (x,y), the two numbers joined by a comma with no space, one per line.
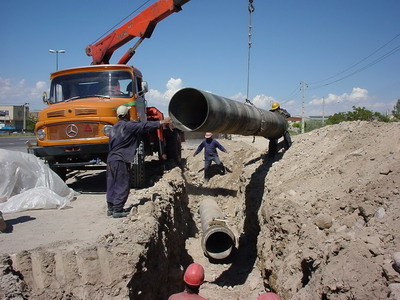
(141,26)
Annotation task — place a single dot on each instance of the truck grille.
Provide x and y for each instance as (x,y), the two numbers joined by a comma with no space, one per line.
(85,111)
(70,131)
(57,113)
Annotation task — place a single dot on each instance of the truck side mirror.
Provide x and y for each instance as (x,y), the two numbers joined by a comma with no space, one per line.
(45,98)
(145,87)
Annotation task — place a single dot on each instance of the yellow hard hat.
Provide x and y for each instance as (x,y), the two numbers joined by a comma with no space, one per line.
(275,105)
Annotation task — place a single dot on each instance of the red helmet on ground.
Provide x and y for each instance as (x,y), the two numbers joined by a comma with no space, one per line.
(194,275)
(268,296)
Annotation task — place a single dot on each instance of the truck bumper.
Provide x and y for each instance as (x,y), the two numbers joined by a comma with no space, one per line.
(69,150)
(72,156)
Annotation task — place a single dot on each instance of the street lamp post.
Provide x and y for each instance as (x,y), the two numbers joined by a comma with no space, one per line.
(24,117)
(56,52)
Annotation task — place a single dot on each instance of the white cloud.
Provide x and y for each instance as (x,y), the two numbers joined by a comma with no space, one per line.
(357,95)
(238,97)
(14,92)
(160,100)
(261,101)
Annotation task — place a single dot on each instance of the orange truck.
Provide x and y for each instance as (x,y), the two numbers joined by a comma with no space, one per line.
(72,131)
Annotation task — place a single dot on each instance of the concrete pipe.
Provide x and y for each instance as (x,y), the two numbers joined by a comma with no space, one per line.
(218,240)
(195,110)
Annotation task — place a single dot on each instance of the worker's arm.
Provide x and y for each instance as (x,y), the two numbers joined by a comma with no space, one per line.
(285,113)
(201,146)
(220,147)
(166,121)
(142,127)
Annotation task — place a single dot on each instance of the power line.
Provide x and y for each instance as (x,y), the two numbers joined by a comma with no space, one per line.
(293,94)
(359,62)
(386,55)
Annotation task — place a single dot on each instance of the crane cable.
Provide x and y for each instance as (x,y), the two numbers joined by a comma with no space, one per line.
(251,10)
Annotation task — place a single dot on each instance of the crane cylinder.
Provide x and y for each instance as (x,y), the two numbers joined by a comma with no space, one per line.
(195,110)
(218,240)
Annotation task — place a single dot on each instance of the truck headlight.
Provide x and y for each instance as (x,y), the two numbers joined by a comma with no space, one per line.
(107,130)
(41,134)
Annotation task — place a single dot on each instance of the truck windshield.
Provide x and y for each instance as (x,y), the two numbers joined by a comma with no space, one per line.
(105,84)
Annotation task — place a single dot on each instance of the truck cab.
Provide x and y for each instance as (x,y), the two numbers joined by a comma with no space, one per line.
(72,130)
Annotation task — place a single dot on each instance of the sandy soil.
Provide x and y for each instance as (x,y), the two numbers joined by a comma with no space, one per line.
(319,221)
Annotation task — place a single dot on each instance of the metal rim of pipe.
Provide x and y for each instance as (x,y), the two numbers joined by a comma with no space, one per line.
(218,242)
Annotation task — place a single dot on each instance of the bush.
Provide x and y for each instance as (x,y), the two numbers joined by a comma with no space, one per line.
(358,113)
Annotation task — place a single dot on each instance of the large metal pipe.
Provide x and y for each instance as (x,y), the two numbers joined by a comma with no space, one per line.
(196,110)
(218,240)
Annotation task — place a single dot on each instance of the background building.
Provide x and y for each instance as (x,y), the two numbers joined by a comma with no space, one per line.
(13,117)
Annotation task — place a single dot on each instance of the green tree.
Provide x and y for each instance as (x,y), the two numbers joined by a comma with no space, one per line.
(336,118)
(311,125)
(30,123)
(396,110)
(358,113)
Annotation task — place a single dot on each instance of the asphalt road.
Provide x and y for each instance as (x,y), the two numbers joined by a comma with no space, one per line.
(16,143)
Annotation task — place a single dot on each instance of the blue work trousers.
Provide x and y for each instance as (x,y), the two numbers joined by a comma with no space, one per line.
(207,164)
(118,184)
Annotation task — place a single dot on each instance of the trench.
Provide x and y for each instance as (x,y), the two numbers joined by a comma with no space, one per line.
(167,255)
(156,271)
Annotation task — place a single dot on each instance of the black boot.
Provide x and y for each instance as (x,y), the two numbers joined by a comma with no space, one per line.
(223,169)
(110,209)
(121,214)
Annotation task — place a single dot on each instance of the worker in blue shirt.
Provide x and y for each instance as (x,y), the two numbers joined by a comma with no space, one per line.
(125,137)
(210,146)
(287,140)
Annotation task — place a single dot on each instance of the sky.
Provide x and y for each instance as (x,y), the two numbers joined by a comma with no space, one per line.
(314,57)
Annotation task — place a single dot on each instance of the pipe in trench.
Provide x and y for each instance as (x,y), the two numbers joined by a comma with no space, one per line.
(218,240)
(196,110)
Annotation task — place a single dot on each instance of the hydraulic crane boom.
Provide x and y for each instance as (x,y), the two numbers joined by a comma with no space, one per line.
(141,26)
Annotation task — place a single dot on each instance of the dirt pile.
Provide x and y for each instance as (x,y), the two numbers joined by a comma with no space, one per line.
(330,215)
(319,221)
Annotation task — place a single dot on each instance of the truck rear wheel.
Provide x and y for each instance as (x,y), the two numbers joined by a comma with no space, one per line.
(138,168)
(174,147)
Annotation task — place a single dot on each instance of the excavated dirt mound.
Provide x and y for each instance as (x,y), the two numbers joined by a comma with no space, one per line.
(319,221)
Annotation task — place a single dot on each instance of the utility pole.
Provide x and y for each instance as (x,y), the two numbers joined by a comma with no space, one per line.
(303,86)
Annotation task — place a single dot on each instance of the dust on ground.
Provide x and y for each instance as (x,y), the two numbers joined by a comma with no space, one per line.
(319,221)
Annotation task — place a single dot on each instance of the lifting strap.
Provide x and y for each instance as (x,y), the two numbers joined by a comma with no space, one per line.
(251,10)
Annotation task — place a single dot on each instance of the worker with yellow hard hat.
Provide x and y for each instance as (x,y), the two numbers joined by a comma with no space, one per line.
(275,105)
(273,143)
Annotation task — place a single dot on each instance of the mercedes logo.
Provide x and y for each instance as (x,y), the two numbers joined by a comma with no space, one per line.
(71,130)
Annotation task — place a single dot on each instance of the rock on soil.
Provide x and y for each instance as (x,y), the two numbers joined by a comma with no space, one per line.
(319,221)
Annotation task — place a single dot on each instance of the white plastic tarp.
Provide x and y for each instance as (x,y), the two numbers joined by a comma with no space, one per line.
(27,183)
